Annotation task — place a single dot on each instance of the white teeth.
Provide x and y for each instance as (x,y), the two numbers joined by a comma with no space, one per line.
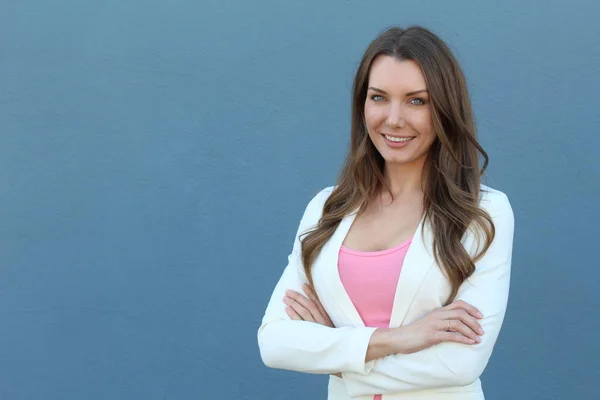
(397,139)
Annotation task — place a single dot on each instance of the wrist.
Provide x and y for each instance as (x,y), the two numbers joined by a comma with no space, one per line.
(382,344)
(398,340)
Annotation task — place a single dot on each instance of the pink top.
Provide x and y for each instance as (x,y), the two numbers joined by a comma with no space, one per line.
(370,279)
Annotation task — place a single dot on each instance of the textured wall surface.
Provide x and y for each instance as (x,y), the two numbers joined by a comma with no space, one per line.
(155,159)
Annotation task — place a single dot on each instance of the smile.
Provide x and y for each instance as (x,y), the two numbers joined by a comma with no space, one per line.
(398,139)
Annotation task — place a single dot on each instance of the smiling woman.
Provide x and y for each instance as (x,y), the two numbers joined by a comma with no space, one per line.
(397,110)
(398,279)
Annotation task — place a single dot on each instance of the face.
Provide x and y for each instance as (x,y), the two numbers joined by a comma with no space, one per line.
(398,112)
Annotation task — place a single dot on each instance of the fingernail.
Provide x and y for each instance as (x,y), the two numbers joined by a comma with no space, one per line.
(478,340)
(481,332)
(479,314)
(471,341)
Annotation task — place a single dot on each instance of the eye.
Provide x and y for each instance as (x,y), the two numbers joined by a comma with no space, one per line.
(376,97)
(417,101)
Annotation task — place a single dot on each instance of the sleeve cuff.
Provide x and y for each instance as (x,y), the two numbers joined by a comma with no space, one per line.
(360,346)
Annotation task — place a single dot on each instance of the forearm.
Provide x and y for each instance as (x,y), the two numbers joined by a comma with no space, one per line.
(384,342)
(447,364)
(313,348)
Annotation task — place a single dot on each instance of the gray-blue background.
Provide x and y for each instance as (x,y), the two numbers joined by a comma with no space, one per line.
(155,159)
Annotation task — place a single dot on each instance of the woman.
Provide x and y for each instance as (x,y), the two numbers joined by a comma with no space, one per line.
(398,280)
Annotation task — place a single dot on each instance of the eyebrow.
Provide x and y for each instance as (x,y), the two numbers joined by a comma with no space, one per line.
(408,94)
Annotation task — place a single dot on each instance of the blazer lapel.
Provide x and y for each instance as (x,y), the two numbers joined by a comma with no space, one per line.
(417,264)
(329,261)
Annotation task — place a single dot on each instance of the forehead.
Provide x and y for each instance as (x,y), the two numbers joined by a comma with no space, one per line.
(392,75)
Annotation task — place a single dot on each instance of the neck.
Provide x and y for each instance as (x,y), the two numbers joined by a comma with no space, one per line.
(404,178)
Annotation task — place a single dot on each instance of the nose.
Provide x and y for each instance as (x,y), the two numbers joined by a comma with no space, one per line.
(394,118)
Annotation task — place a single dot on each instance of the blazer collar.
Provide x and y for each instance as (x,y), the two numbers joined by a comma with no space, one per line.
(417,263)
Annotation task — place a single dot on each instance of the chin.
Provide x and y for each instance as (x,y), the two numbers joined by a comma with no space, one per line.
(401,159)
(396,158)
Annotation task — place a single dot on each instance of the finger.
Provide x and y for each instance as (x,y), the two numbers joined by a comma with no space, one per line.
(292,314)
(299,309)
(308,305)
(466,319)
(310,292)
(457,327)
(442,336)
(455,317)
(323,318)
(462,305)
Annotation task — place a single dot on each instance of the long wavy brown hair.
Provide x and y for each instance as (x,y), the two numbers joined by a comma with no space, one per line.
(451,176)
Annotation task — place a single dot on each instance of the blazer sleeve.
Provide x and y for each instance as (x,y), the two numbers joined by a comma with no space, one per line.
(453,364)
(306,346)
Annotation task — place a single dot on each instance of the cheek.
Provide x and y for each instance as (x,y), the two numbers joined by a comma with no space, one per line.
(423,123)
(373,118)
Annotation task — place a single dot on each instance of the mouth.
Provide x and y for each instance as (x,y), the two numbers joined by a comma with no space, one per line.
(398,139)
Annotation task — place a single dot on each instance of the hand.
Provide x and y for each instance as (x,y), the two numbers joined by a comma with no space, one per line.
(457,322)
(306,308)
(310,309)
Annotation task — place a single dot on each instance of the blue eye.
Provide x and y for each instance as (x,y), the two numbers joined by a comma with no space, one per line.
(417,101)
(376,97)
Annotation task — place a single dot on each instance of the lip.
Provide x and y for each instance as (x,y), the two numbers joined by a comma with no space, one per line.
(396,136)
(396,145)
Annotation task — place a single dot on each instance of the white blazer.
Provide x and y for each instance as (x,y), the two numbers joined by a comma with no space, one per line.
(444,371)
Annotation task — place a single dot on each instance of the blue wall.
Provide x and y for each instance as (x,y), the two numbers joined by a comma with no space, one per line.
(155,158)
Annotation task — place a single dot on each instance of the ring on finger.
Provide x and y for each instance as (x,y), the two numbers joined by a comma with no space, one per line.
(448,325)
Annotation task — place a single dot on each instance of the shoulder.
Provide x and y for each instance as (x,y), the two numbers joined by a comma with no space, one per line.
(314,209)
(315,206)
(494,201)
(498,207)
